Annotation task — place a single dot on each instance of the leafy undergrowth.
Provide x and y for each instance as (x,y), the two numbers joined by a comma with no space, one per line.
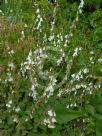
(50,69)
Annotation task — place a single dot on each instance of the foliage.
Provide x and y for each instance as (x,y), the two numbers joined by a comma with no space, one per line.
(50,68)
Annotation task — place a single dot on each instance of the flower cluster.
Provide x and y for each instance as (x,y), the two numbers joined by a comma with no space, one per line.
(9,104)
(38,21)
(75,54)
(50,120)
(81,6)
(11,66)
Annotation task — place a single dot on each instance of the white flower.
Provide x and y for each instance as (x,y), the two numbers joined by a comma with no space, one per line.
(53,120)
(10,102)
(11,10)
(41,20)
(25,25)
(37,11)
(67,106)
(91,52)
(60,93)
(51,126)
(0,11)
(59,61)
(15,120)
(22,35)
(100,60)
(27,67)
(17,109)
(50,113)
(34,95)
(8,105)
(11,52)
(11,65)
(71,105)
(50,120)
(84,86)
(49,89)
(26,119)
(78,86)
(33,87)
(51,37)
(53,80)
(10,79)
(46,121)
(75,104)
(73,75)
(81,4)
(90,92)
(77,49)
(22,32)
(85,71)
(65,45)
(6,1)
(91,58)
(38,16)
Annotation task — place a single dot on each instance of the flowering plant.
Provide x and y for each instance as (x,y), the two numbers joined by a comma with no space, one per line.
(48,73)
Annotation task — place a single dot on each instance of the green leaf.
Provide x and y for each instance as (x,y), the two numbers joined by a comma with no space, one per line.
(56,131)
(98,116)
(90,109)
(99,108)
(65,115)
(99,128)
